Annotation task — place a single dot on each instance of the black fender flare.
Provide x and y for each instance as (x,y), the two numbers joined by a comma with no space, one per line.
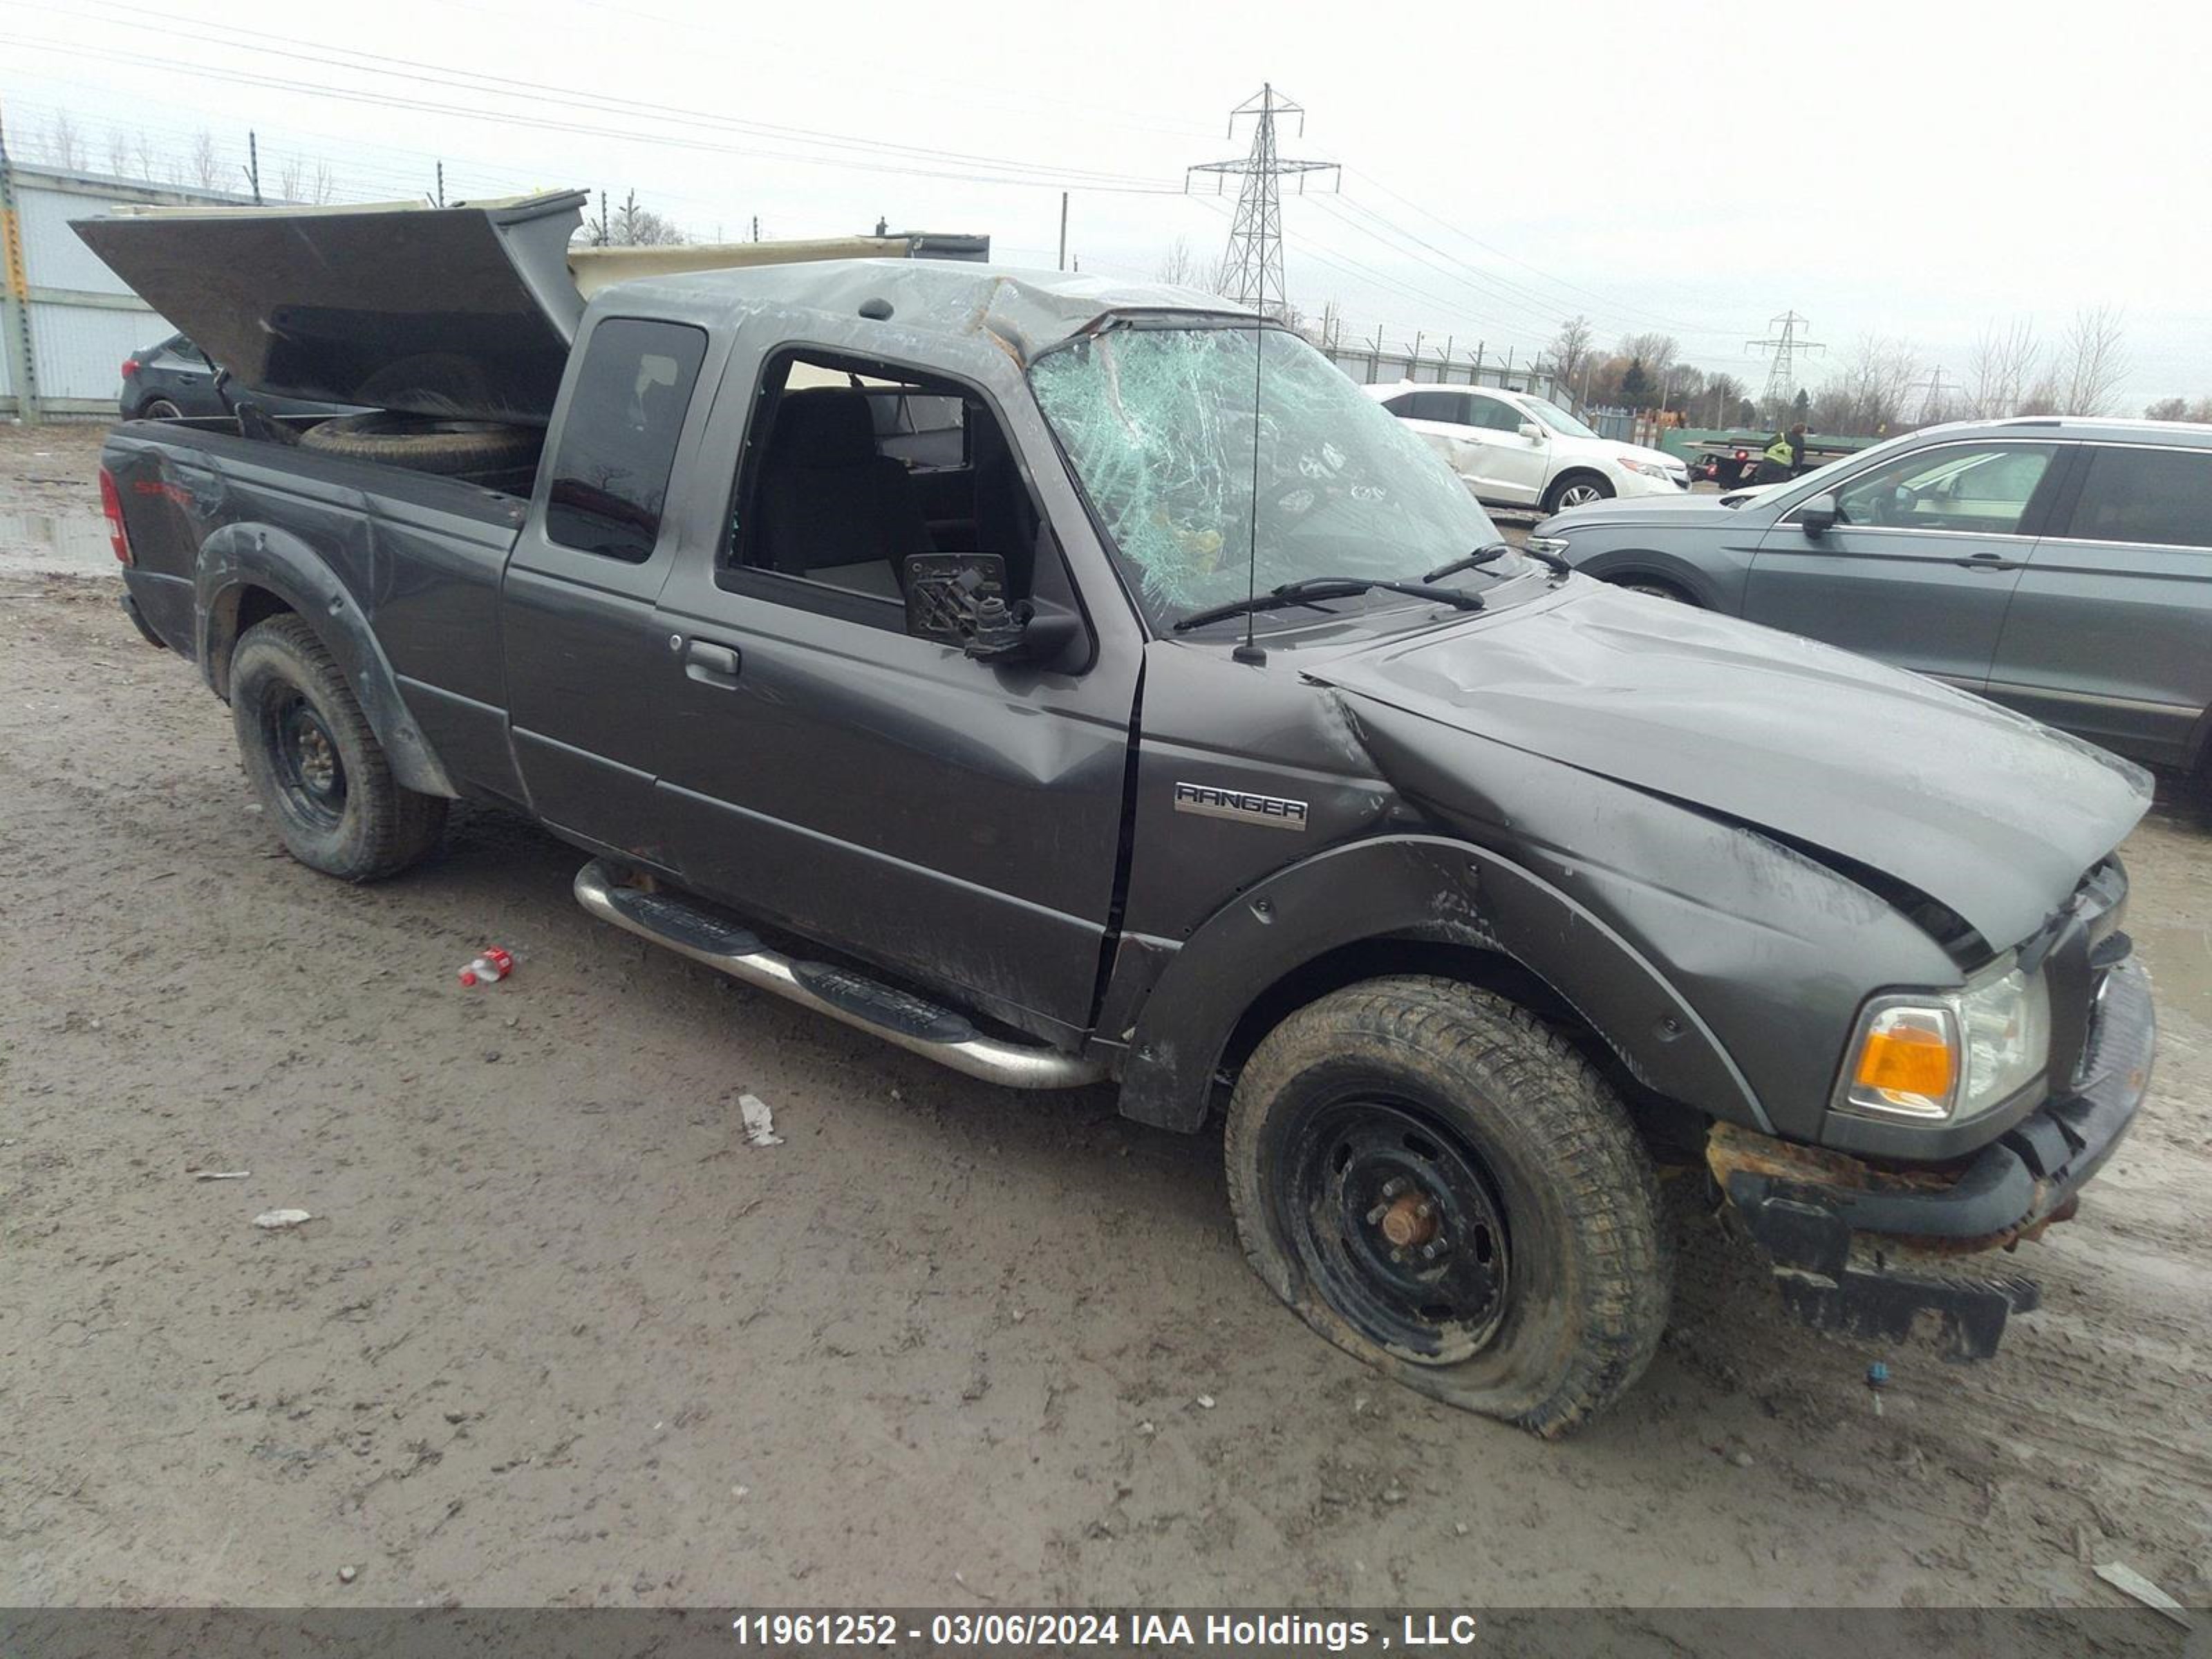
(1423,888)
(240,556)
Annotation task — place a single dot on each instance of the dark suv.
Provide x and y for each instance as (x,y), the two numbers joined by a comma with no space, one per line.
(2062,567)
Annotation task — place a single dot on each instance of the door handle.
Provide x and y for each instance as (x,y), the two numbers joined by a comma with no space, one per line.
(712,664)
(1987,561)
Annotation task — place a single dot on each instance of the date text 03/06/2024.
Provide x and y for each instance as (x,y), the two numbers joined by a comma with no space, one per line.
(1013,1628)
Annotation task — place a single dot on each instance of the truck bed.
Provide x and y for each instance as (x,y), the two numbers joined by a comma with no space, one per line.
(416,558)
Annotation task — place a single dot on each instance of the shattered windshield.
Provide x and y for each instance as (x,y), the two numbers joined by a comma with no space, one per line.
(1159,424)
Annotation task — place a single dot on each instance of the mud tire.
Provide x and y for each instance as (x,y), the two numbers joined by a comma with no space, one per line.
(296,721)
(1586,1261)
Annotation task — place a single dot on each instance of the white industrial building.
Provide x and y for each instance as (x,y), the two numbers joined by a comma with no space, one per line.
(67,321)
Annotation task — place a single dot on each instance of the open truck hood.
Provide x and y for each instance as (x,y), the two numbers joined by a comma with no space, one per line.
(464,312)
(1992,815)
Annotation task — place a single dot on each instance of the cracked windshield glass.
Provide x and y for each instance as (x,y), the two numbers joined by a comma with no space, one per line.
(1159,424)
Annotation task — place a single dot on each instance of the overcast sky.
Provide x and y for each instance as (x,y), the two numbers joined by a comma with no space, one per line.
(1914,171)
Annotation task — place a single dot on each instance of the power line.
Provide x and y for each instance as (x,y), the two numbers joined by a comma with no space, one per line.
(371,63)
(1035,175)
(1619,306)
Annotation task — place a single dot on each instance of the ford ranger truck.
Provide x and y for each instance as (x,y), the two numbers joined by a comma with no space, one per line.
(1080,684)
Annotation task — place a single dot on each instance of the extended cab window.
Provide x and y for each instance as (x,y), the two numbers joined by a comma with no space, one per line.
(610,478)
(2162,496)
(852,467)
(1983,489)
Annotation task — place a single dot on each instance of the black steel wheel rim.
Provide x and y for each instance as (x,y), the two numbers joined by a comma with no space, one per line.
(310,771)
(1395,1219)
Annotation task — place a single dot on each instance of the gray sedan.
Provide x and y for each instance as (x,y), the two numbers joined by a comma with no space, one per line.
(2062,567)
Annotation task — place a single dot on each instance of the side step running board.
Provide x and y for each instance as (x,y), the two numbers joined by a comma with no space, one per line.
(949,1038)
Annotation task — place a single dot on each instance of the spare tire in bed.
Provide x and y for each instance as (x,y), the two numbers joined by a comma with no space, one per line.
(424,444)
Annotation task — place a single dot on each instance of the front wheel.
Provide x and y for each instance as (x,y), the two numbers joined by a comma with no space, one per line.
(316,765)
(1576,490)
(1440,1186)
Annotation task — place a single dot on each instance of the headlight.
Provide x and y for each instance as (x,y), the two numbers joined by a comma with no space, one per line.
(1649,469)
(1554,545)
(1945,1056)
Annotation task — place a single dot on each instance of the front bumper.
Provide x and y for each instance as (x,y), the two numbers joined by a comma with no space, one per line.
(1871,1249)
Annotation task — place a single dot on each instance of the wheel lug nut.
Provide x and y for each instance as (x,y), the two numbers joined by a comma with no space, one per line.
(1394,1186)
(1398,1255)
(1428,1253)
(1425,1209)
(1376,1215)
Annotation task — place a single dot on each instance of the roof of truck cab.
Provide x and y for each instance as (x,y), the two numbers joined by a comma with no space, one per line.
(1025,312)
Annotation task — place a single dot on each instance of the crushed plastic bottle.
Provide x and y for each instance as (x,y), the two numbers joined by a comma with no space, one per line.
(488,968)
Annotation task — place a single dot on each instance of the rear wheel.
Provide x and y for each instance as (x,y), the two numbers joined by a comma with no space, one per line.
(315,763)
(1440,1186)
(1576,490)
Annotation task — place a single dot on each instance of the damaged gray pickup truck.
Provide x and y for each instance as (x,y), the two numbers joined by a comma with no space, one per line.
(1081,683)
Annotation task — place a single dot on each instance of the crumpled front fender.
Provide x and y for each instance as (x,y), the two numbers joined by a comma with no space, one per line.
(1420,887)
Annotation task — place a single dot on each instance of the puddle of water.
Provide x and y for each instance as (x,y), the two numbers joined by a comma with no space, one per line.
(37,542)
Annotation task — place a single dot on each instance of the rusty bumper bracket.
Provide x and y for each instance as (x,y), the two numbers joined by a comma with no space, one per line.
(1892,1252)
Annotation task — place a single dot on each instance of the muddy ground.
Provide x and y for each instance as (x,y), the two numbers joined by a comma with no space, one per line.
(558,1335)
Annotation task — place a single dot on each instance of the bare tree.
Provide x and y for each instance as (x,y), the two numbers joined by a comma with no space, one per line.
(65,145)
(1177,265)
(119,152)
(291,174)
(1724,394)
(1571,348)
(141,155)
(1867,395)
(2091,362)
(1656,351)
(2168,409)
(632,226)
(204,166)
(1999,369)
(322,188)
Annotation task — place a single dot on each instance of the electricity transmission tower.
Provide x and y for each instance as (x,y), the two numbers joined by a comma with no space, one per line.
(1935,402)
(1785,342)
(1252,273)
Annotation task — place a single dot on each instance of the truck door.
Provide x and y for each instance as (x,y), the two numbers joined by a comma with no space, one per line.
(584,651)
(1921,562)
(954,822)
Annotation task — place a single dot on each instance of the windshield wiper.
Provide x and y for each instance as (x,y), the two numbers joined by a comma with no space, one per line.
(1325,587)
(1494,553)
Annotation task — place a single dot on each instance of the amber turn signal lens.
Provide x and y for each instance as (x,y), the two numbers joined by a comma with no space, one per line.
(1906,1060)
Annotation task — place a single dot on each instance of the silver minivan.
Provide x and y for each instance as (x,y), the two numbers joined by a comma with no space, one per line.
(2060,566)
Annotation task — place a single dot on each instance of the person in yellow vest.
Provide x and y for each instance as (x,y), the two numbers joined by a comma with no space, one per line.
(1784,457)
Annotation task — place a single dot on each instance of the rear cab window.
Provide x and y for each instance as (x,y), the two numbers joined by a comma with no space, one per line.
(609,475)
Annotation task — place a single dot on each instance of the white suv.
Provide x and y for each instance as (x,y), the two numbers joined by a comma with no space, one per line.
(1515,450)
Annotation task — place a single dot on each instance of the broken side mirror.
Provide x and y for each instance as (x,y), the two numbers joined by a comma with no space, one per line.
(960,599)
(1817,516)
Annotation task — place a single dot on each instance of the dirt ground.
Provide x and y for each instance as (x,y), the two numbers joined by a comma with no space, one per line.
(558,1335)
